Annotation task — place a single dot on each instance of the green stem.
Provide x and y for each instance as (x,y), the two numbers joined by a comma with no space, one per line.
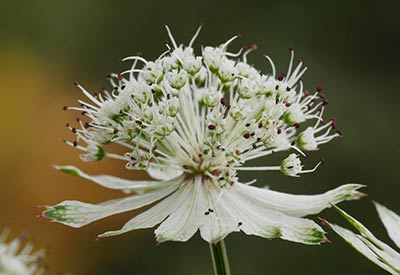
(220,258)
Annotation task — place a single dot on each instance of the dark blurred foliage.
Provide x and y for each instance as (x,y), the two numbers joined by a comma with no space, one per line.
(350,47)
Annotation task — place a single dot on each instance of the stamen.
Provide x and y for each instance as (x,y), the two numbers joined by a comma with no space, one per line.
(86,105)
(260,168)
(250,182)
(234,54)
(301,94)
(291,61)
(320,118)
(139,58)
(299,151)
(163,54)
(252,49)
(226,44)
(171,37)
(87,94)
(195,35)
(314,169)
(272,64)
(131,71)
(111,77)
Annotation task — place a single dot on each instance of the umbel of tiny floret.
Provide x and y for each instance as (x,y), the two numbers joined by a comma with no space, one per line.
(192,122)
(16,259)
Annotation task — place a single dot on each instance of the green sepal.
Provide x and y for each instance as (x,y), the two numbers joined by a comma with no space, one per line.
(57,213)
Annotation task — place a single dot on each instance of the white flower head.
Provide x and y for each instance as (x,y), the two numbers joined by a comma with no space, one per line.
(368,245)
(294,114)
(306,140)
(291,166)
(16,259)
(153,72)
(193,121)
(211,97)
(177,79)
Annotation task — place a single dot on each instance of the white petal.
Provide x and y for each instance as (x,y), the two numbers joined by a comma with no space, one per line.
(218,219)
(359,243)
(368,234)
(391,221)
(258,219)
(78,214)
(387,256)
(163,174)
(184,221)
(155,214)
(114,182)
(299,205)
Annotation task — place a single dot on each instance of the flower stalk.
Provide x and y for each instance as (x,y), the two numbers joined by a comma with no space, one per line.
(220,258)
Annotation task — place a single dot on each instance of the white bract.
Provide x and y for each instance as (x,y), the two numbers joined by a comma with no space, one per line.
(16,259)
(192,122)
(368,245)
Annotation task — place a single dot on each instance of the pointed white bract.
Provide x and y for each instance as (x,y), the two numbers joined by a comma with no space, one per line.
(368,245)
(19,259)
(192,122)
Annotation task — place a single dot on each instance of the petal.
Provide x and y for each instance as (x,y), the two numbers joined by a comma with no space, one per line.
(299,205)
(259,219)
(218,219)
(78,214)
(366,233)
(113,182)
(163,174)
(155,214)
(391,221)
(184,221)
(387,256)
(360,244)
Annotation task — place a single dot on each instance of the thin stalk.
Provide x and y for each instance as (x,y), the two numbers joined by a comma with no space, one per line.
(219,258)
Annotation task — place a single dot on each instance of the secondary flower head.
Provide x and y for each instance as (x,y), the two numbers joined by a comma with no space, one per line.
(368,245)
(192,122)
(16,259)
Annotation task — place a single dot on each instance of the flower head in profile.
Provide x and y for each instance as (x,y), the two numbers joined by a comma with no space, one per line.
(16,259)
(192,122)
(368,245)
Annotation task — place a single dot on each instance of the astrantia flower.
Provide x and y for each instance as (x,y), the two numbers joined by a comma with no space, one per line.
(192,122)
(368,245)
(16,259)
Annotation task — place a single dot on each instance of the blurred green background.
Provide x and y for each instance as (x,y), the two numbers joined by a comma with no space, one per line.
(350,47)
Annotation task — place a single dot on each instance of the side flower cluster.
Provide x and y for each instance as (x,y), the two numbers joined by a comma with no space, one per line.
(18,259)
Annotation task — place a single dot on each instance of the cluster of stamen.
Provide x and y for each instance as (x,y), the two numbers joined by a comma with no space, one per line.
(205,114)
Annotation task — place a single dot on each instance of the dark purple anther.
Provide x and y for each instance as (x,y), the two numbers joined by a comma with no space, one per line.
(333,123)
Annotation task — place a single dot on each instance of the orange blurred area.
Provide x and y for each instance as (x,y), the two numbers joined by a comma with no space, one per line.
(34,92)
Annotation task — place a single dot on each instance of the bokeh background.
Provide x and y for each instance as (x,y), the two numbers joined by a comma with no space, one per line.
(350,47)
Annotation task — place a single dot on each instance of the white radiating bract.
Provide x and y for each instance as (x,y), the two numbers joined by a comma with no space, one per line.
(192,122)
(18,259)
(367,244)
